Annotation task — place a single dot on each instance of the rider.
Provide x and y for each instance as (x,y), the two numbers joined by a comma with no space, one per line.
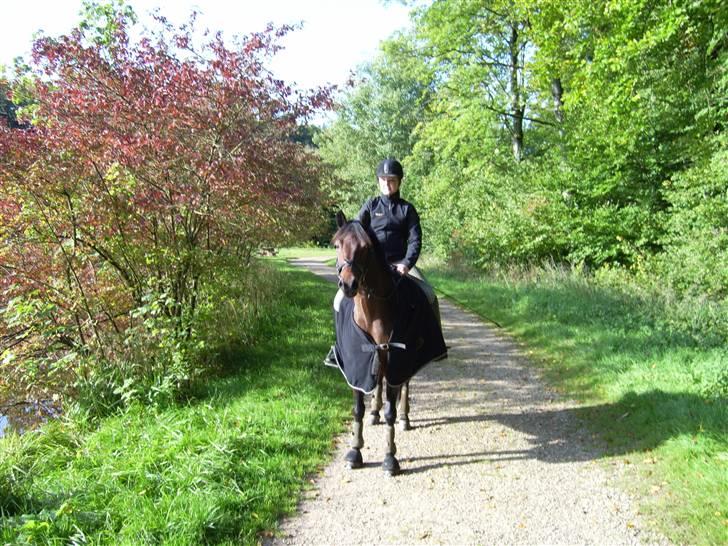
(396,225)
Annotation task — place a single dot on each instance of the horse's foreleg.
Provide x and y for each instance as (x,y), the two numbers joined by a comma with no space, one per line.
(390,464)
(376,404)
(353,456)
(403,411)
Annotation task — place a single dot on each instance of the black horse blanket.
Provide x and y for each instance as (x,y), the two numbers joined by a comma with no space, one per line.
(416,340)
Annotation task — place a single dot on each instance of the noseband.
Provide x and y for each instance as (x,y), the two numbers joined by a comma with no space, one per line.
(356,269)
(358,272)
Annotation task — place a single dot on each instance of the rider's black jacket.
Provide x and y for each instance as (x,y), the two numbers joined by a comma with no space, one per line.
(396,224)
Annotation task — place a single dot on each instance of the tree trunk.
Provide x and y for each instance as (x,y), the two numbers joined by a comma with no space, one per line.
(557,91)
(517,109)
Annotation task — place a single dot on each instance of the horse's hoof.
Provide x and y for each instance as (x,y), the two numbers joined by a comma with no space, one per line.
(374,418)
(353,459)
(390,465)
(404,425)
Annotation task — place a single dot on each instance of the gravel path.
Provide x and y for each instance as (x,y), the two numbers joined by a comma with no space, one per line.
(493,458)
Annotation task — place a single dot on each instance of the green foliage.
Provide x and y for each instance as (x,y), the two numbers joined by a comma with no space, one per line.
(624,116)
(102,20)
(631,114)
(492,215)
(639,83)
(163,357)
(649,367)
(375,120)
(159,358)
(7,108)
(219,470)
(19,85)
(715,385)
(697,228)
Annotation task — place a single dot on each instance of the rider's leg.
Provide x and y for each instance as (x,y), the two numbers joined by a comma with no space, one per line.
(337,299)
(330,359)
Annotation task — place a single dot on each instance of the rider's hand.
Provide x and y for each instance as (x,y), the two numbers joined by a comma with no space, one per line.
(402,269)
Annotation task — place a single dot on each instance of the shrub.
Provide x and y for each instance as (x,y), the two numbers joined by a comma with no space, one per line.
(150,171)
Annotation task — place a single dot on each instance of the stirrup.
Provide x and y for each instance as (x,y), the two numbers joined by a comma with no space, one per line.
(330,359)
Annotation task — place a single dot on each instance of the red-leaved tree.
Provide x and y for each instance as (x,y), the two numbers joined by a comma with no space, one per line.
(148,165)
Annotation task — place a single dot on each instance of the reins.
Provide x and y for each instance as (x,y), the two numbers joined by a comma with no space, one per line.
(395,284)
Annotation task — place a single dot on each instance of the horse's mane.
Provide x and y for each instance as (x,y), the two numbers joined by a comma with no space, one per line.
(363,235)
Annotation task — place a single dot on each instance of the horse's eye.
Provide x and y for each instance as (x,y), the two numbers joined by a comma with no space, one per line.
(336,246)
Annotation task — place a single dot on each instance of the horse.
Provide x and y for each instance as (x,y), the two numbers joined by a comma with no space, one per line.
(365,276)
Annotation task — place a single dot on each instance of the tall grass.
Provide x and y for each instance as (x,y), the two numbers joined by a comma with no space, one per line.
(220,468)
(651,371)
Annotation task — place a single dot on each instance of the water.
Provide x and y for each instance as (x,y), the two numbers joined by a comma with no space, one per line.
(27,415)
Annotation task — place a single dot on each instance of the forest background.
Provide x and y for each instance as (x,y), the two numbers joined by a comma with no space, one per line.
(591,134)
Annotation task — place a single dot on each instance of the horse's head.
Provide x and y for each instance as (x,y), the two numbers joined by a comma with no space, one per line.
(353,253)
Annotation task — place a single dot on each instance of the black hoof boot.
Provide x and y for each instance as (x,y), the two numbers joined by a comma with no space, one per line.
(353,458)
(390,465)
(374,418)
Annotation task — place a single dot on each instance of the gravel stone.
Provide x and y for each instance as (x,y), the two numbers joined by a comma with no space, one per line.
(493,457)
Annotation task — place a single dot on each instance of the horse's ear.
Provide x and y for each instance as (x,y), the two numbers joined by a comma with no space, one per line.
(340,219)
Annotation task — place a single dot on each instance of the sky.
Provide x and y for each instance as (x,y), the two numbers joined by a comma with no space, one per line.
(337,35)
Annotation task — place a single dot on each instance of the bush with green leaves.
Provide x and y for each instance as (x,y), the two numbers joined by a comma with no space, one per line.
(695,260)
(155,365)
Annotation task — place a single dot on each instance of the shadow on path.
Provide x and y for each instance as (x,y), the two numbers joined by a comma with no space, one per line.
(549,434)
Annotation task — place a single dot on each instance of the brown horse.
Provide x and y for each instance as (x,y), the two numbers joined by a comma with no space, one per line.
(365,276)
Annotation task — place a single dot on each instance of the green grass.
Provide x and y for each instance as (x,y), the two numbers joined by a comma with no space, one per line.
(220,469)
(651,375)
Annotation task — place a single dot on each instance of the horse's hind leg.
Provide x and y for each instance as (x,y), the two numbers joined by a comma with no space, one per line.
(353,456)
(390,464)
(376,404)
(403,411)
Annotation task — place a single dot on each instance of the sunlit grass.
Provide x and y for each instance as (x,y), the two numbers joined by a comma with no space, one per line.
(300,252)
(651,375)
(220,469)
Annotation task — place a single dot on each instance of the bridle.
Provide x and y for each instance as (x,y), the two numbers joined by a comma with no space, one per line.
(359,272)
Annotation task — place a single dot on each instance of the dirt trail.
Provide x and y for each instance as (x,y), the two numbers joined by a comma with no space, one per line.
(493,458)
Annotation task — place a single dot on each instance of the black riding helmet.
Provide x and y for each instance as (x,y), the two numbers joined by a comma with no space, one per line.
(390,167)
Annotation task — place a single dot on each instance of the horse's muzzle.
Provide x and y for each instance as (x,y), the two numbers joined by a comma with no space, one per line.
(349,290)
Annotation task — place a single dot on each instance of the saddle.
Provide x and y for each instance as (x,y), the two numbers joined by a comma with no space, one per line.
(416,340)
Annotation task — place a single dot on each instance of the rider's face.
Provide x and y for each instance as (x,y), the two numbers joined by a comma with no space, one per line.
(389,184)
